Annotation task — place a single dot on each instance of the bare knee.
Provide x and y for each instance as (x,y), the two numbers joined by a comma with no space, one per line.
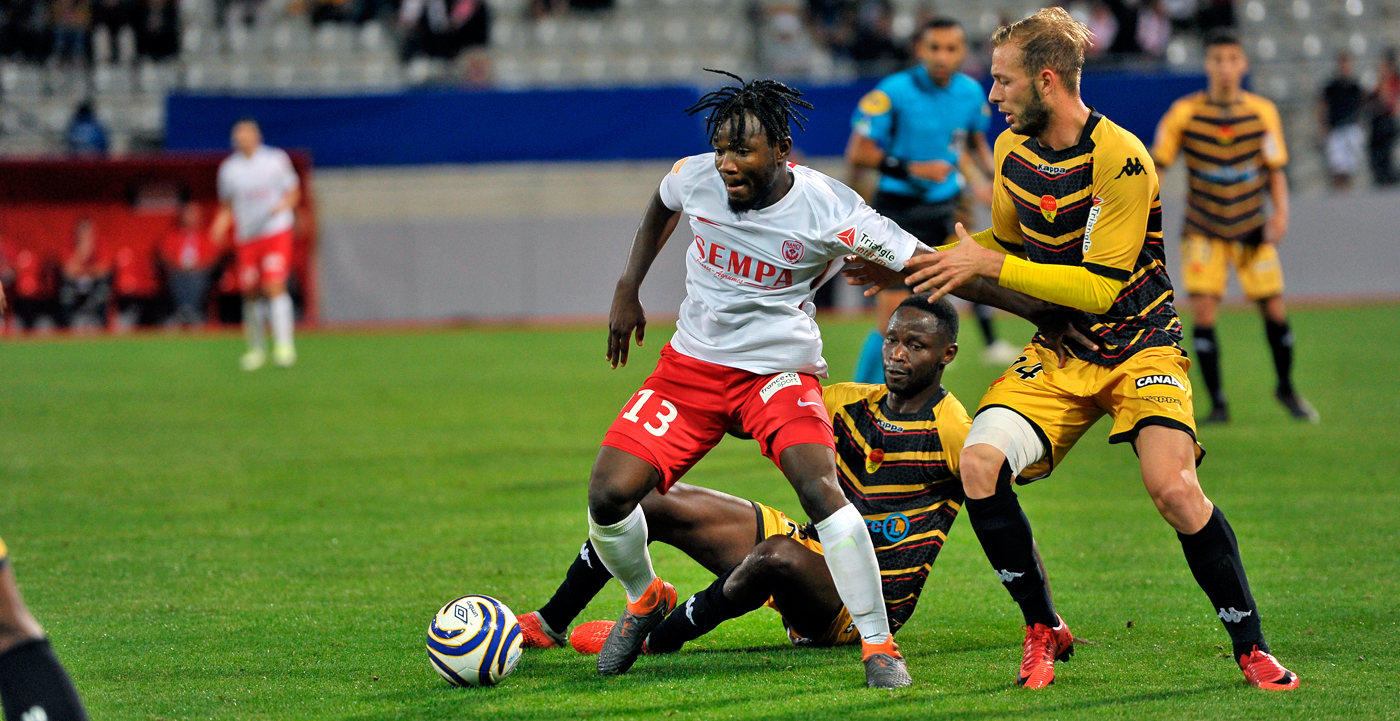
(1181,501)
(981,466)
(772,560)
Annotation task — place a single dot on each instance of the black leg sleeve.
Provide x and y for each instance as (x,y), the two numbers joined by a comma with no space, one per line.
(699,615)
(33,685)
(585,578)
(1214,557)
(1006,538)
(1208,356)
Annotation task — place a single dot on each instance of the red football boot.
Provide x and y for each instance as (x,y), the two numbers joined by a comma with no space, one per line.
(588,638)
(534,633)
(1262,671)
(1043,647)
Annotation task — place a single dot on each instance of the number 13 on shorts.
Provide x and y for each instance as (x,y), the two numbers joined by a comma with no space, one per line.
(663,418)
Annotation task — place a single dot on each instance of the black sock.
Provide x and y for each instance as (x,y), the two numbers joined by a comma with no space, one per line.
(1214,557)
(1208,355)
(699,615)
(1006,538)
(31,677)
(586,577)
(1281,344)
(984,315)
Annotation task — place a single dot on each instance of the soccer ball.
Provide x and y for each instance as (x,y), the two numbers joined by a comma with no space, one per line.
(474,641)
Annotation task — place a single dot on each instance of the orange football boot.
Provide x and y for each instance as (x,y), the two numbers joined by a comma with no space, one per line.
(533,633)
(625,640)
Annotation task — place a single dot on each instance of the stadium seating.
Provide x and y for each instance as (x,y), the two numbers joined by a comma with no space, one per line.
(639,42)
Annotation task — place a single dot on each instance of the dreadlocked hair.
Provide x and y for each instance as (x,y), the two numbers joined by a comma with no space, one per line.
(771,102)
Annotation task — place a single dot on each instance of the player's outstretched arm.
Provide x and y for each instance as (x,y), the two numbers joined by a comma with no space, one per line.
(627,315)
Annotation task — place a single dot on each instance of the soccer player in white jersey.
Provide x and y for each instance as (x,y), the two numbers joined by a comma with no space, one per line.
(259,190)
(746,355)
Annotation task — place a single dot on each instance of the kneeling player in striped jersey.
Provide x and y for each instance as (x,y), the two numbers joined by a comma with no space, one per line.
(897,448)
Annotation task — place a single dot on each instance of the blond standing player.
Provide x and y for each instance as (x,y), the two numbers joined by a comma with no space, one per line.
(1076,220)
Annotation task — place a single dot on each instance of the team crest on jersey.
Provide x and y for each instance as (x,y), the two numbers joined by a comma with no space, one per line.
(1158,380)
(1227,134)
(1048,207)
(793,250)
(848,236)
(1093,218)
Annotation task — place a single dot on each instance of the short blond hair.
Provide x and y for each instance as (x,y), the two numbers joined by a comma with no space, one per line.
(1049,39)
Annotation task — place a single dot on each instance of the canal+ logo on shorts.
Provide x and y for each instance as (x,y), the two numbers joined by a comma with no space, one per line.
(1158,380)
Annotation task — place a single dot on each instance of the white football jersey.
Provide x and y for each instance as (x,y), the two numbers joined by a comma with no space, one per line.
(750,277)
(254,186)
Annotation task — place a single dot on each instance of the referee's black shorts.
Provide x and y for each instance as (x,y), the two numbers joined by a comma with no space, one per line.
(931,223)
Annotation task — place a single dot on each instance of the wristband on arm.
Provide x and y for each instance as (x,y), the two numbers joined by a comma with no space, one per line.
(894,167)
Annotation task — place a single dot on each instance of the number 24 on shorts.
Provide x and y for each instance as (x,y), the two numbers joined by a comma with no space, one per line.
(663,419)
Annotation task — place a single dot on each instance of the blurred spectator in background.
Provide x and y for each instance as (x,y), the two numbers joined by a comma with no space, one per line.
(331,11)
(112,14)
(1104,25)
(243,12)
(833,24)
(72,22)
(87,280)
(1339,112)
(136,285)
(189,257)
(29,279)
(442,28)
(1181,12)
(785,46)
(33,29)
(873,49)
(157,25)
(1216,14)
(85,135)
(1154,29)
(541,8)
(1385,107)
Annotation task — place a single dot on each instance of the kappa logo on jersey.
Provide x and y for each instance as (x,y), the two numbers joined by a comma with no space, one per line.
(874,250)
(1158,380)
(779,382)
(1089,226)
(1048,207)
(848,236)
(1131,168)
(734,266)
(1050,169)
(793,250)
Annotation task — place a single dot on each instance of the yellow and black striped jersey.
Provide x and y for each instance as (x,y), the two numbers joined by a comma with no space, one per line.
(1095,205)
(901,472)
(1230,149)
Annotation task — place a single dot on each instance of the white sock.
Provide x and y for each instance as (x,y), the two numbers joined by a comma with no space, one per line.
(283,319)
(254,316)
(623,549)
(851,558)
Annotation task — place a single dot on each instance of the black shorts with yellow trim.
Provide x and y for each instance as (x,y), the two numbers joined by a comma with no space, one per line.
(842,631)
(1149,388)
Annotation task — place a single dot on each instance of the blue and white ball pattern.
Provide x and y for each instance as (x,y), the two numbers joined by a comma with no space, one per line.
(474,641)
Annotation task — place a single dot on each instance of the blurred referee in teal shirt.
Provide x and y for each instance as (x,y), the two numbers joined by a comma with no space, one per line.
(914,127)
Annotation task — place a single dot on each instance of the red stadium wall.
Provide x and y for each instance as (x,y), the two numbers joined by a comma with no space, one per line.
(133,203)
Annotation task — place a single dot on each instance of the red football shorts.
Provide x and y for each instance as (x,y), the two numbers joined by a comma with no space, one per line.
(685,407)
(265,260)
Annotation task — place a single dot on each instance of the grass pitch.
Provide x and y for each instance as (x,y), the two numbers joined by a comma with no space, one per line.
(205,543)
